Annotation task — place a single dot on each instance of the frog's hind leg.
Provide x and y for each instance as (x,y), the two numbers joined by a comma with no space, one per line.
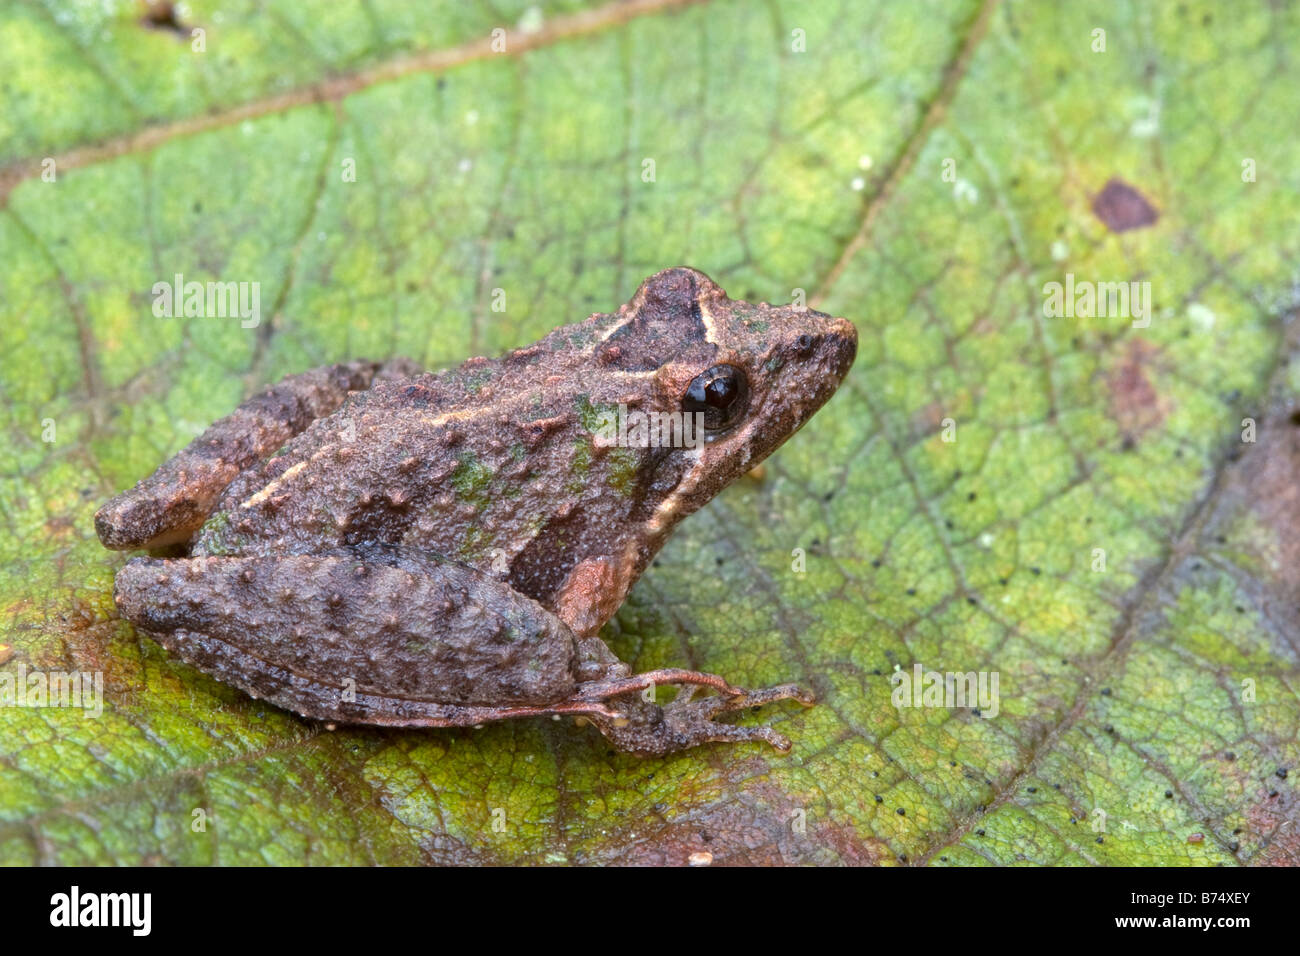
(173,502)
(321,699)
(399,638)
(382,636)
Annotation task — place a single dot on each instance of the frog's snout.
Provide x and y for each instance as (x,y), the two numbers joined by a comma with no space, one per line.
(842,346)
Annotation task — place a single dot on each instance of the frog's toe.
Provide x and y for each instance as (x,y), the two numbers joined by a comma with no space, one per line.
(715,732)
(768,695)
(649,729)
(690,681)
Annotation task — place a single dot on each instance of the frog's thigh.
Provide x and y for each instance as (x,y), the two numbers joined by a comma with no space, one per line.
(172,503)
(380,637)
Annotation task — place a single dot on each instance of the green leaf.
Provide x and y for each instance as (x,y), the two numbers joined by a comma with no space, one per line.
(925,169)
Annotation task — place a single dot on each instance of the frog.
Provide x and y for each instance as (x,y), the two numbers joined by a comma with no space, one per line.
(369,543)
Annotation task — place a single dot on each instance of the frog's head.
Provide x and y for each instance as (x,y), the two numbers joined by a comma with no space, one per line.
(756,372)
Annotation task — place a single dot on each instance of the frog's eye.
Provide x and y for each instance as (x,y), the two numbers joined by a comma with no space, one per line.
(721,393)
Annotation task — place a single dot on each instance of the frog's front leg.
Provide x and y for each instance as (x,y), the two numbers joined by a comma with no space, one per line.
(592,594)
(173,502)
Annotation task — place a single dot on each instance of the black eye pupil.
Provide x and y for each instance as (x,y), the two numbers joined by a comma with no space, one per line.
(720,393)
(804,344)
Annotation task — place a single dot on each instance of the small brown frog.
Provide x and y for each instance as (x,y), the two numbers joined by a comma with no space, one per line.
(372,544)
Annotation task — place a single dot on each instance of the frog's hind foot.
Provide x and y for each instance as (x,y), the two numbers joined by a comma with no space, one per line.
(647,728)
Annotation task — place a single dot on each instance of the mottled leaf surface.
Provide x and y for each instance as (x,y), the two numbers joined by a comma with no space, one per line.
(922,168)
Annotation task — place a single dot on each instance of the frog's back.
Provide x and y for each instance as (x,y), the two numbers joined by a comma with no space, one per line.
(475,463)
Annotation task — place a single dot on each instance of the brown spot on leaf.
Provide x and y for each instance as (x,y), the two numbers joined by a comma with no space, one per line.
(60,527)
(161,15)
(1135,405)
(849,846)
(1276,821)
(927,419)
(741,820)
(1266,483)
(1121,207)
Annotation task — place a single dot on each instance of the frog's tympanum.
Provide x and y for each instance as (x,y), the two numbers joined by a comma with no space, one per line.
(372,544)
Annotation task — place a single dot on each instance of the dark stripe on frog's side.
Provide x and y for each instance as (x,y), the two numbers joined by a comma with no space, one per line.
(381,520)
(594,529)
